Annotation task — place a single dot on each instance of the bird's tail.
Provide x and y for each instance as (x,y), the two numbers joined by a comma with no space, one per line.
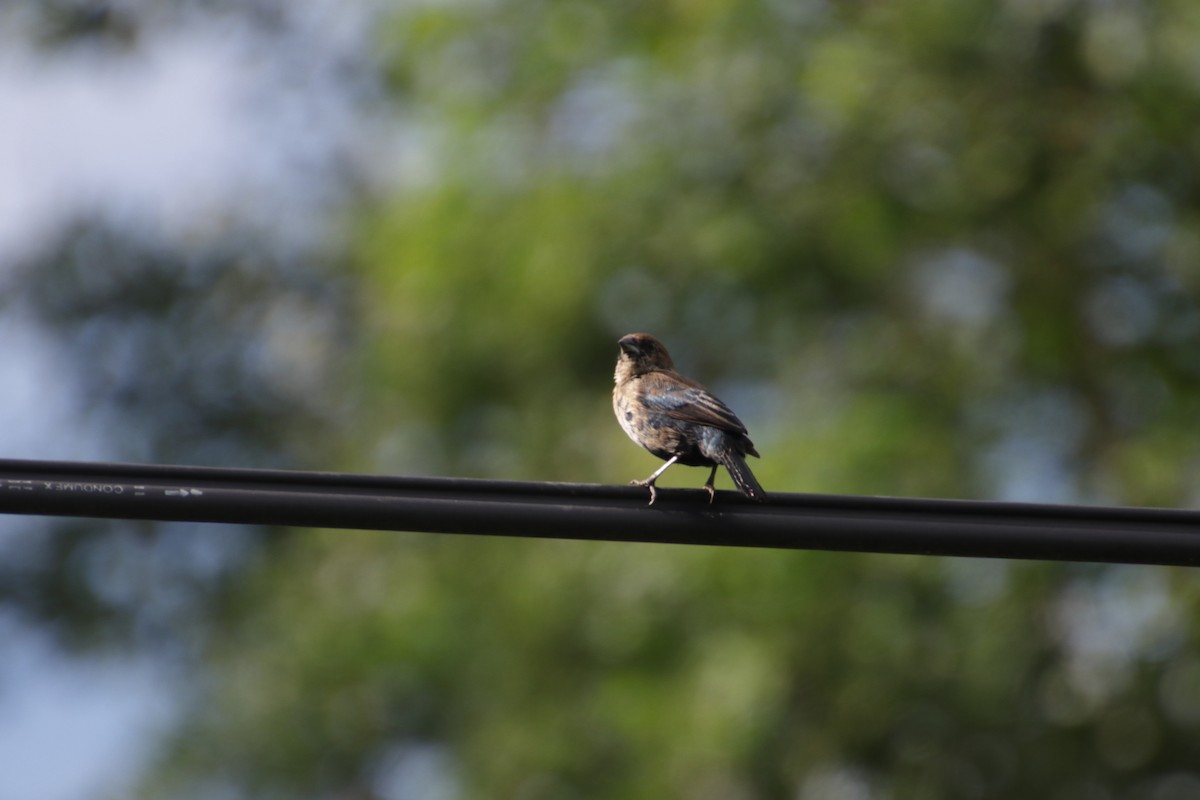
(739,470)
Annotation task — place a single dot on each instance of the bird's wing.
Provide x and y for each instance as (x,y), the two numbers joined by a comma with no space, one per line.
(683,399)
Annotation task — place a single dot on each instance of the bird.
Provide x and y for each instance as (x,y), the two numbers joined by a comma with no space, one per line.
(677,419)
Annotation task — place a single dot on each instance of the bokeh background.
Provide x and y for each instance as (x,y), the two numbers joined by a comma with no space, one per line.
(923,249)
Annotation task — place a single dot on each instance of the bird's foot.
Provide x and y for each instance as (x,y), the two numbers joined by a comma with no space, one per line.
(649,484)
(712,493)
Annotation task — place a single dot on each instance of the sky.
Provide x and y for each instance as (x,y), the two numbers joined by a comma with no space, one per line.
(203,121)
(78,727)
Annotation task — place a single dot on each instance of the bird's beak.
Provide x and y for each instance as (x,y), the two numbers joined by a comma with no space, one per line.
(628,345)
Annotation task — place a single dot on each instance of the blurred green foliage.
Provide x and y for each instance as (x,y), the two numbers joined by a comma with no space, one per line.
(922,249)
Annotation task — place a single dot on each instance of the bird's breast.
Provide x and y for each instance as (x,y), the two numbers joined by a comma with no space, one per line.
(623,408)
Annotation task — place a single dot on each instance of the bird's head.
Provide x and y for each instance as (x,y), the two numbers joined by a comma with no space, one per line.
(641,353)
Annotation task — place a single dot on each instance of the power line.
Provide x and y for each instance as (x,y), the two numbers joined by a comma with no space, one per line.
(590,511)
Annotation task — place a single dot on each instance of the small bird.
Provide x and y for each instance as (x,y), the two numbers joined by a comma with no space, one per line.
(677,419)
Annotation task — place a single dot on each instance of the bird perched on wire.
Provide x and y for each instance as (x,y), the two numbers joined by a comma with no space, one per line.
(677,419)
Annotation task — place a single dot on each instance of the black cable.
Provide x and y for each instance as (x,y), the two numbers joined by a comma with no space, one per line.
(589,511)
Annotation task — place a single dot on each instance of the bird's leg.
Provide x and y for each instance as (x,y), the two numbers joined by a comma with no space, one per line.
(649,482)
(708,485)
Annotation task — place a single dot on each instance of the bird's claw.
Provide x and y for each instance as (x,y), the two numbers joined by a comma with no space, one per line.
(712,493)
(649,485)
